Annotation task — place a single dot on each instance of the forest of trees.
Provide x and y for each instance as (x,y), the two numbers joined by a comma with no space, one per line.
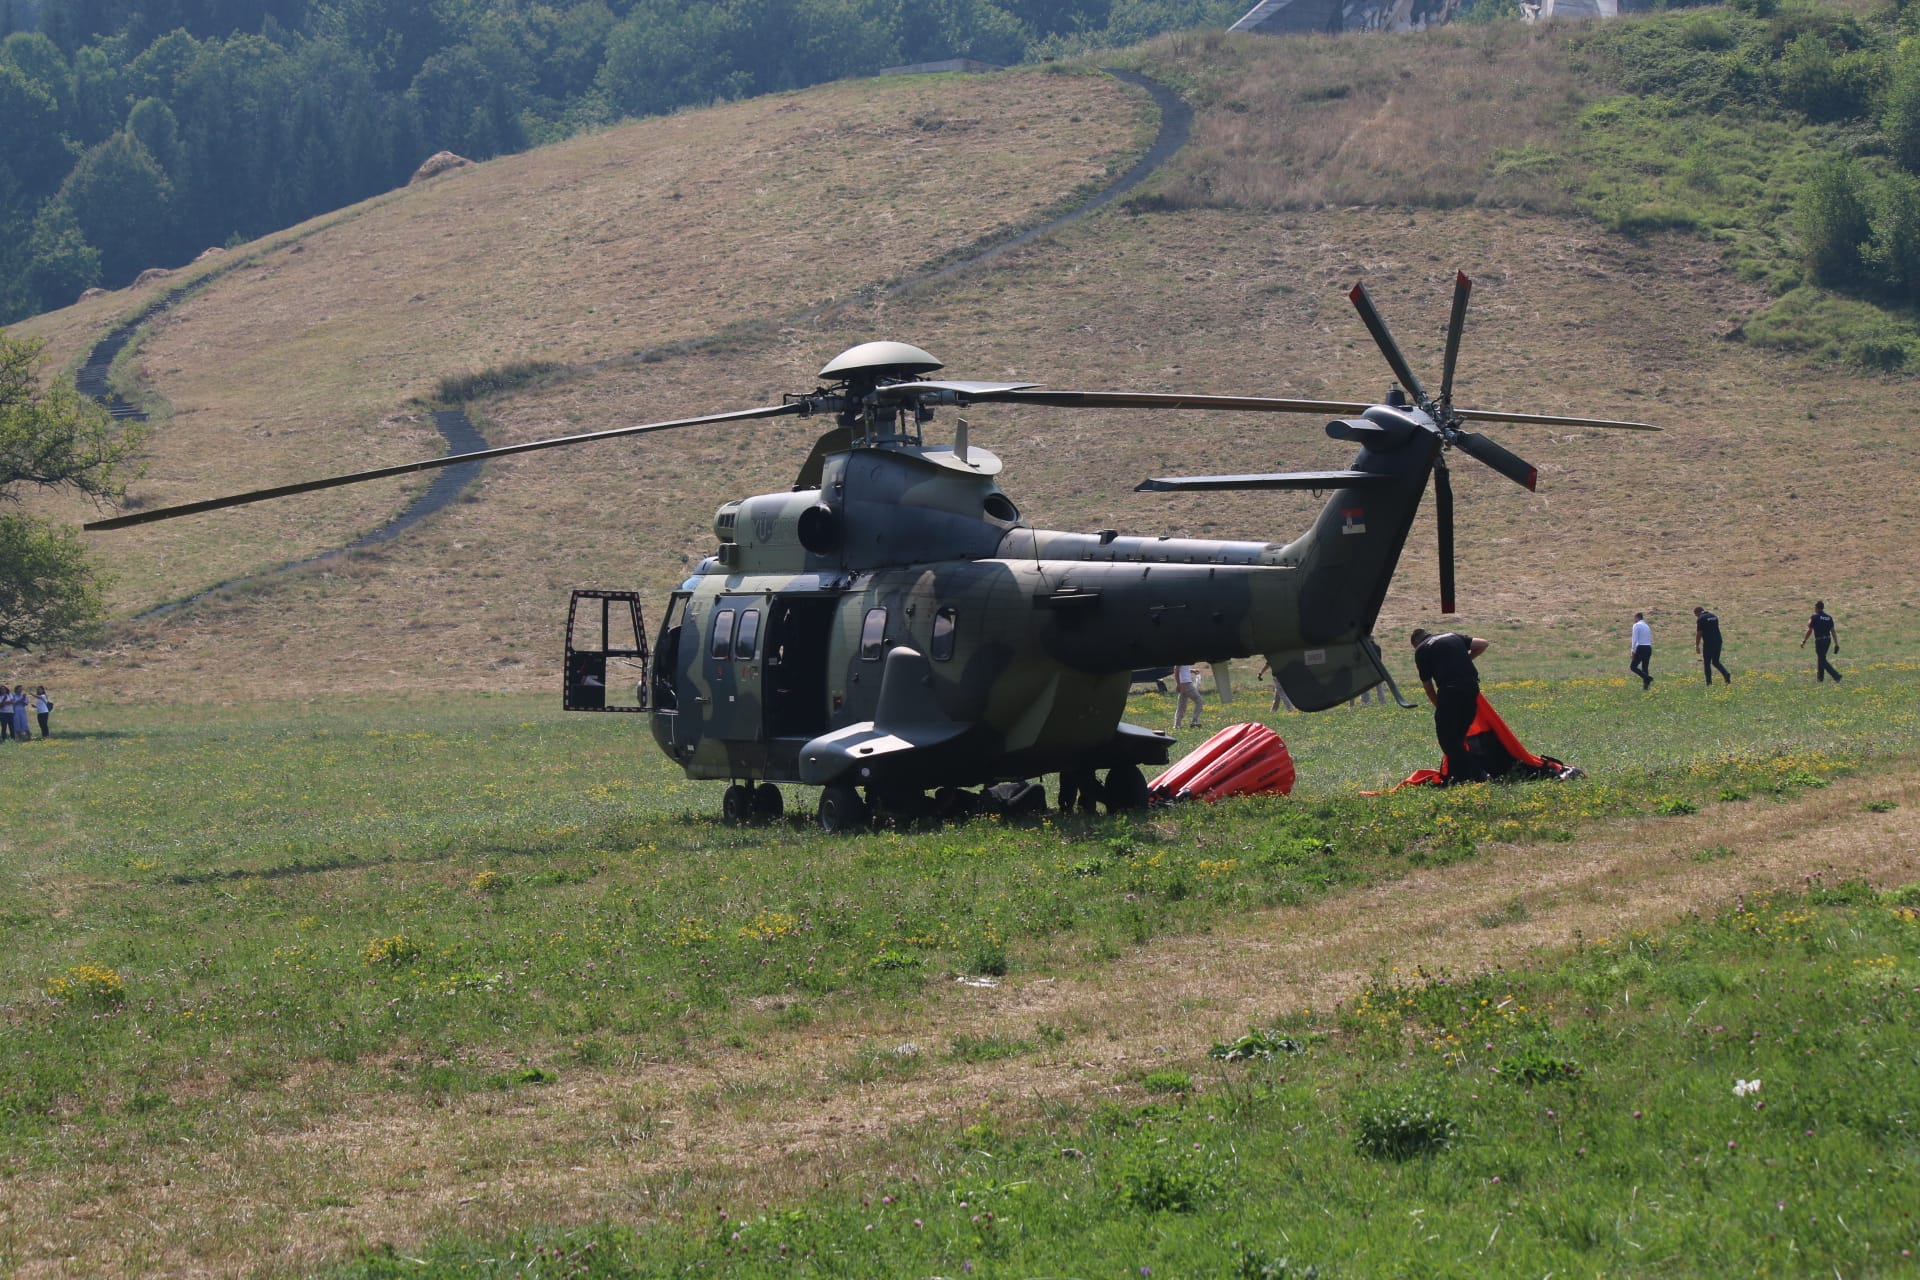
(136,133)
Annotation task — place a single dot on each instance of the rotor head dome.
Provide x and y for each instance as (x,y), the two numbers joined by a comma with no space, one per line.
(875,360)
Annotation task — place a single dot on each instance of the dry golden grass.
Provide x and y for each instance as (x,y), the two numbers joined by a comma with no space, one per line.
(303,361)
(1376,120)
(1777,483)
(287,1191)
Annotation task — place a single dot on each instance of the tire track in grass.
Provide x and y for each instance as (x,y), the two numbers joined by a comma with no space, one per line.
(776,1121)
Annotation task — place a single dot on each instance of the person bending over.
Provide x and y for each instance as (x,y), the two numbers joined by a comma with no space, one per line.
(1445,664)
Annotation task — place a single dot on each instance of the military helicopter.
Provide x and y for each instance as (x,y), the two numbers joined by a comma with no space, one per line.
(892,625)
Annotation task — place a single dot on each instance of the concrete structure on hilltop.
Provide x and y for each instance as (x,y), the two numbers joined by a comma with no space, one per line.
(945,64)
(1294,17)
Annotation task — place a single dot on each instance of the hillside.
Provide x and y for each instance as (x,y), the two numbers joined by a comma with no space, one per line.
(749,239)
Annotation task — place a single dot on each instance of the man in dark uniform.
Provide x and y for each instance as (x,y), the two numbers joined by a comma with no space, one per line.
(1445,664)
(1820,627)
(1706,642)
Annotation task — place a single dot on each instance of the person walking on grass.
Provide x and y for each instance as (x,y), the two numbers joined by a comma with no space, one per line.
(1280,700)
(1452,682)
(1706,643)
(22,727)
(42,707)
(1188,687)
(1642,651)
(1820,628)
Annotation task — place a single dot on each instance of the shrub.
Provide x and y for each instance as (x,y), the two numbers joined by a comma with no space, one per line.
(1166,1178)
(1400,1124)
(1901,120)
(986,953)
(1834,219)
(90,984)
(1536,1064)
(395,951)
(1256,1044)
(1261,1266)
(1167,1082)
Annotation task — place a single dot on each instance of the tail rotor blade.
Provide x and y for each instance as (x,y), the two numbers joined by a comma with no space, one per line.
(1384,340)
(1511,465)
(1462,288)
(1443,515)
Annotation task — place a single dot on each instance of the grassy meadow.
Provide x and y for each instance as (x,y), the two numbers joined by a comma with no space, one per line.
(283,981)
(329,945)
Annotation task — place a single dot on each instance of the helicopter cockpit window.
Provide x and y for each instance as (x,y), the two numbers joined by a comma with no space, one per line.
(722,640)
(942,648)
(747,639)
(873,635)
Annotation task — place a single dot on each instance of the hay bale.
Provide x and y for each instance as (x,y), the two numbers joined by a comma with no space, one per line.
(437,163)
(209,252)
(95,292)
(150,275)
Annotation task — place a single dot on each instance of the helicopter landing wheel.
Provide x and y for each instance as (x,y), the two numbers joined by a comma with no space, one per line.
(736,806)
(1126,788)
(768,804)
(841,809)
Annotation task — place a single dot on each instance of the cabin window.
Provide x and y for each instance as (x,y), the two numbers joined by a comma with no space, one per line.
(748,637)
(873,635)
(722,640)
(943,624)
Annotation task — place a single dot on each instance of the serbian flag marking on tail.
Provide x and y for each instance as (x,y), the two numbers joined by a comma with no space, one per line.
(1353,520)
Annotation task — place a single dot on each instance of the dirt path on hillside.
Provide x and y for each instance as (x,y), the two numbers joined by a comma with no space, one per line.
(462,437)
(742,1127)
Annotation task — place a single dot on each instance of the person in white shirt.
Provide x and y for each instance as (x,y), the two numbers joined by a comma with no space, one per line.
(1189,689)
(1642,651)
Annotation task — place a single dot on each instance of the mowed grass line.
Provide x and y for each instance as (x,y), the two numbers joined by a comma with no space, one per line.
(242,922)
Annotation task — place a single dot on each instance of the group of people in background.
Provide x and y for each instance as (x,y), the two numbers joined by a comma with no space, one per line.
(1445,665)
(16,707)
(1707,641)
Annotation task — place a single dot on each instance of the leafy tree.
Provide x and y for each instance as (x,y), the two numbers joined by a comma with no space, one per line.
(1835,222)
(52,438)
(1902,118)
(1894,251)
(152,122)
(60,261)
(1824,85)
(34,159)
(119,196)
(664,55)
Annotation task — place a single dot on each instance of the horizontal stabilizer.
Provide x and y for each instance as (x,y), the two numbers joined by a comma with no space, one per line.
(1315,480)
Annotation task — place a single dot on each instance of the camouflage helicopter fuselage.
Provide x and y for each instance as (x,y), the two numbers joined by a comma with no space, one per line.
(893,623)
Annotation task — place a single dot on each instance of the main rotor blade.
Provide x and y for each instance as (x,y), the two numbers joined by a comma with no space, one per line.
(1443,515)
(942,390)
(1511,465)
(1363,303)
(1166,400)
(1313,481)
(1549,420)
(1462,288)
(428,464)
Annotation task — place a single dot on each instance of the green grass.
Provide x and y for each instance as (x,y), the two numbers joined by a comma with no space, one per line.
(1741,1087)
(472,895)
